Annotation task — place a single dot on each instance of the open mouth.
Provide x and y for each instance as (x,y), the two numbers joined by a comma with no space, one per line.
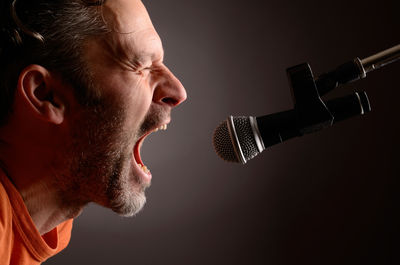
(138,146)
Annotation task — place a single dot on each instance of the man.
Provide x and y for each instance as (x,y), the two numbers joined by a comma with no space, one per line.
(82,84)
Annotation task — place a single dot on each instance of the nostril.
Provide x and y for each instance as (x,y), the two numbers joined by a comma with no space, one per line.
(170,101)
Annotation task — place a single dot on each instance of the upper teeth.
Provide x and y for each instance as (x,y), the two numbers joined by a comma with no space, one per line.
(162,127)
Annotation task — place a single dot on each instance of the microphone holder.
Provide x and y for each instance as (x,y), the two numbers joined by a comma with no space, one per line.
(311,112)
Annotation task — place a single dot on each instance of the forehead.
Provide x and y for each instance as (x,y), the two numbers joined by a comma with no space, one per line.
(133,31)
(126,16)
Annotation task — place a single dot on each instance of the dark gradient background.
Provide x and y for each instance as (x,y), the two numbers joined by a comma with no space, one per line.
(326,198)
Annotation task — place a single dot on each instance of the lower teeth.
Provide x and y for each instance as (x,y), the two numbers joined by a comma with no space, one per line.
(144,168)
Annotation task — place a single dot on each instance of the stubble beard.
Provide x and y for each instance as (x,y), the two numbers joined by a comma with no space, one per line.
(99,161)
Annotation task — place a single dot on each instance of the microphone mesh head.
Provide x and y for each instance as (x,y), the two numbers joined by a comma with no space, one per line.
(224,141)
(223,144)
(246,137)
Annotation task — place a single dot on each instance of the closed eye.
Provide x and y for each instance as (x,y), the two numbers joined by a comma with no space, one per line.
(144,70)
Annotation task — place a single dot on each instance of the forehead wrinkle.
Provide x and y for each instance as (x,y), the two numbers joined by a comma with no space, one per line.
(126,49)
(124,16)
(132,37)
(136,48)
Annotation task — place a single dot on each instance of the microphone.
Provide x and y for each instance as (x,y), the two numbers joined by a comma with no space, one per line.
(239,139)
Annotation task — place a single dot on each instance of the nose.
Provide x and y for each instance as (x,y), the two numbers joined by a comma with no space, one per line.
(169,90)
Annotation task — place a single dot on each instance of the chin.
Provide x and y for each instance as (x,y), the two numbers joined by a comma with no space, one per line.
(126,194)
(128,204)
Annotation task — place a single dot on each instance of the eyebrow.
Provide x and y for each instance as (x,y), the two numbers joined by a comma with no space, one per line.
(148,56)
(152,55)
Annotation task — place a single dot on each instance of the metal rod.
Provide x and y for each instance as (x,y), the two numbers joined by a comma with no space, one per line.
(381,59)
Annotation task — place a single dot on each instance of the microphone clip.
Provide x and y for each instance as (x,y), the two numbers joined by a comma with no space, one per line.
(311,112)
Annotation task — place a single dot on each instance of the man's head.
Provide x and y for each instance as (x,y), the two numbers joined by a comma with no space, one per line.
(88,94)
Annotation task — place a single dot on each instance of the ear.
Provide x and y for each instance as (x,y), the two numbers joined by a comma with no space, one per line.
(39,89)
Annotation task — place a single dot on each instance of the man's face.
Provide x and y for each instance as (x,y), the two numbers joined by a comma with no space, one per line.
(136,93)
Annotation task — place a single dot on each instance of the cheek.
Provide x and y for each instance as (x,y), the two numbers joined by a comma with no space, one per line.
(129,88)
(137,101)
(132,93)
(140,93)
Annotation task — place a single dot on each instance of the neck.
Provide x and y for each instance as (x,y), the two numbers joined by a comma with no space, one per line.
(46,207)
(36,182)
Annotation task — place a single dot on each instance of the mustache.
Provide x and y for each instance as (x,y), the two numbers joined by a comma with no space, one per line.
(154,118)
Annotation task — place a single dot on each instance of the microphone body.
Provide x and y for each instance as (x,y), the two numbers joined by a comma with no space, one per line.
(239,139)
(279,127)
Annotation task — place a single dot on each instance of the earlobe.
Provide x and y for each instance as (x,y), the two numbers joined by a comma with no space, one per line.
(37,88)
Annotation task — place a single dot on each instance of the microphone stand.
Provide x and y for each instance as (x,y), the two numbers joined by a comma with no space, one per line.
(356,69)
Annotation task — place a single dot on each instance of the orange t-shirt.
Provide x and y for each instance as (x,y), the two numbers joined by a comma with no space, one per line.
(20,241)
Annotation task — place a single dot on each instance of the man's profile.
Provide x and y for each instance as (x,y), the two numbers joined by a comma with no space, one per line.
(82,83)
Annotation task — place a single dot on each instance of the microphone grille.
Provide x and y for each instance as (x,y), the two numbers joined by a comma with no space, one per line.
(234,140)
(245,136)
(223,144)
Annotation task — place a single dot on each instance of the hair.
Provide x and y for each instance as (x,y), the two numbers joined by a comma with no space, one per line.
(51,33)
